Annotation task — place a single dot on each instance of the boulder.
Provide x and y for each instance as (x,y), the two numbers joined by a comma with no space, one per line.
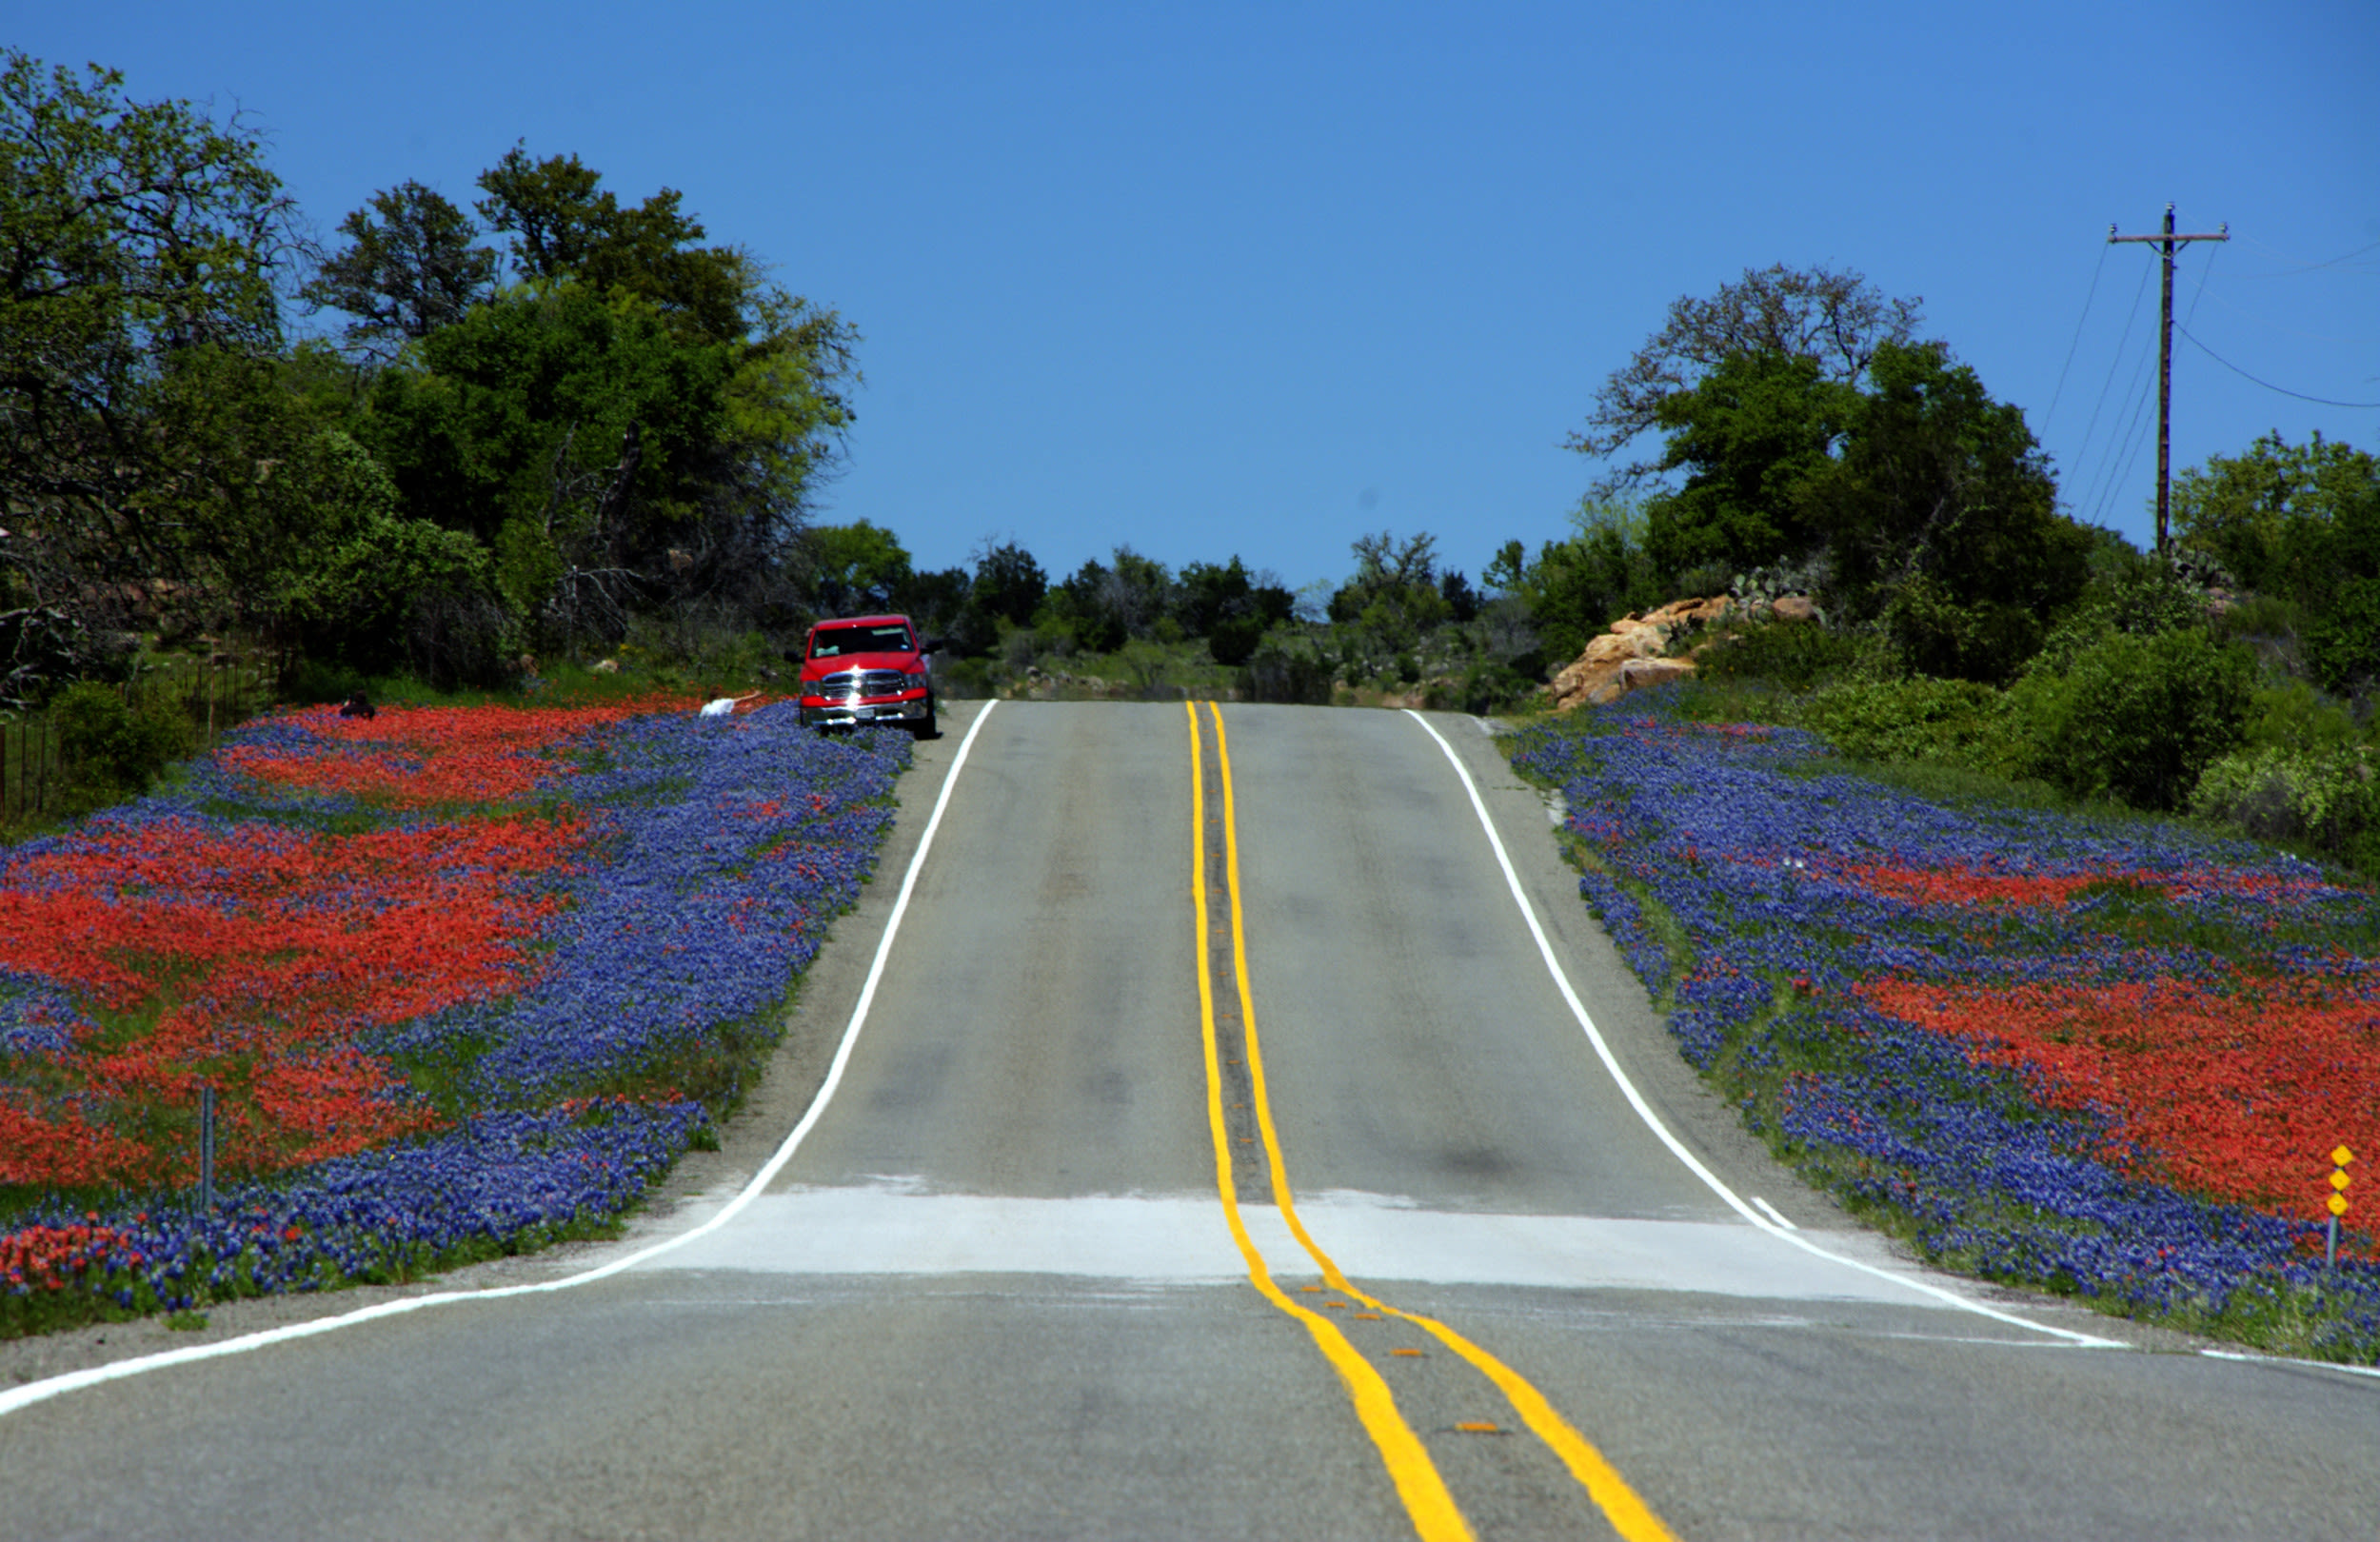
(1632,641)
(1635,675)
(1795,608)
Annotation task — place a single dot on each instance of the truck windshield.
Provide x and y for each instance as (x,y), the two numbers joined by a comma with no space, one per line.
(835,641)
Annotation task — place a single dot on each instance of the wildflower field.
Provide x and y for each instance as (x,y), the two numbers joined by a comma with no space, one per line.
(2107,1057)
(463,979)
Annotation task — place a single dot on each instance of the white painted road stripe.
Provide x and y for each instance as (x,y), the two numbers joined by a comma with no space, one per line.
(896,1227)
(36,1391)
(1652,1120)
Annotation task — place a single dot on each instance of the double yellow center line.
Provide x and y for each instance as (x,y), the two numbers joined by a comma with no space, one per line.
(1435,1514)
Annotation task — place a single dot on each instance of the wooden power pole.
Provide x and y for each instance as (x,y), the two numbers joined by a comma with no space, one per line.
(2165,358)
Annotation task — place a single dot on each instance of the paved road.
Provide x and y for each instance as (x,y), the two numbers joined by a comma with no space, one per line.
(1037,1271)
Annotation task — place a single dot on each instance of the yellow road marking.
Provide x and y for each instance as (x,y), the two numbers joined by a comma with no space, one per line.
(1628,1513)
(1418,1485)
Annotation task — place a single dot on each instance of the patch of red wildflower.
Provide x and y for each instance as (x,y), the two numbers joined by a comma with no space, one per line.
(1956,884)
(424,756)
(2239,1096)
(250,956)
(51,1258)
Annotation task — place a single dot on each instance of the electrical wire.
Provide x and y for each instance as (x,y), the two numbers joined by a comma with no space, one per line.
(2243,374)
(2140,442)
(2115,363)
(2270,326)
(2096,270)
(2199,294)
(2297,267)
(2124,450)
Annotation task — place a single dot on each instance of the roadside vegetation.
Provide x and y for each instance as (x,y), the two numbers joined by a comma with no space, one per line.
(2017,880)
(2021,895)
(459,980)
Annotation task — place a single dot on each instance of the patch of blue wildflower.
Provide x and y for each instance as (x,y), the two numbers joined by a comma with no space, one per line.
(1733,868)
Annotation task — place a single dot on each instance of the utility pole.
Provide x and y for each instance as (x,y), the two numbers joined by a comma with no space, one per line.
(2165,359)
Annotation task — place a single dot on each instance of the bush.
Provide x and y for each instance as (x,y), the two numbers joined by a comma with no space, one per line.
(1283,673)
(1485,687)
(1793,655)
(2328,798)
(2343,646)
(111,751)
(1955,723)
(1233,639)
(2290,713)
(2137,717)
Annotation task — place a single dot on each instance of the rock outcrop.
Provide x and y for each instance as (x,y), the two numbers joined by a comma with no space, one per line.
(1633,654)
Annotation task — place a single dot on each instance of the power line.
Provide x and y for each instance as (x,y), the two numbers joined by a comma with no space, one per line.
(2297,267)
(2266,383)
(2114,364)
(2199,294)
(2124,448)
(2078,332)
(2272,325)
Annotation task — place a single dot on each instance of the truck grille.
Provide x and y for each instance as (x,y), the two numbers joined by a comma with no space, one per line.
(861,682)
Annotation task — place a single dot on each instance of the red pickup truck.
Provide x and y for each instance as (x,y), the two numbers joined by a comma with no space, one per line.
(867,670)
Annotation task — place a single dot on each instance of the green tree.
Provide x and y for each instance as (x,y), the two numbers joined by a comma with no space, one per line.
(1108,607)
(1755,429)
(411,265)
(857,567)
(1577,587)
(564,224)
(1230,606)
(1008,585)
(1940,517)
(574,434)
(131,232)
(2269,513)
(2139,718)
(1835,319)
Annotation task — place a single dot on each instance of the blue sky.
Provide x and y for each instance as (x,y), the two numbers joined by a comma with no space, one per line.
(1257,279)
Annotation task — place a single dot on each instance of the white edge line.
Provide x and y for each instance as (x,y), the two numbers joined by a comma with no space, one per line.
(1676,1147)
(1773,1214)
(2284,1359)
(36,1391)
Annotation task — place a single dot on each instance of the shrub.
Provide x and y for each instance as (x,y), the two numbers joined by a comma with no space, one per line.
(1955,723)
(2290,713)
(2136,718)
(1233,639)
(1795,655)
(1486,686)
(1279,672)
(2343,646)
(2329,798)
(112,751)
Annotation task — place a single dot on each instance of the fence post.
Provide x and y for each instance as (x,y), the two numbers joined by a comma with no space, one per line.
(207,1145)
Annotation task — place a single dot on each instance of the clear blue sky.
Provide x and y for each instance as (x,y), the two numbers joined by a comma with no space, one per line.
(1255,279)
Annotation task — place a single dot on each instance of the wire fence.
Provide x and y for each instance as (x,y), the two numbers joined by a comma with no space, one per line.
(216,695)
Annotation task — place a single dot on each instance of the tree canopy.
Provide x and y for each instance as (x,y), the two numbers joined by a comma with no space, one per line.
(132,235)
(1834,318)
(628,420)
(412,264)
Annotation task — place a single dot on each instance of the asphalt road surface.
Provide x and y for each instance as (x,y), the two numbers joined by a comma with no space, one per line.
(1217,1156)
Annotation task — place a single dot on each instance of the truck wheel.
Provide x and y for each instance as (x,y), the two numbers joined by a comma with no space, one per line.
(923,728)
